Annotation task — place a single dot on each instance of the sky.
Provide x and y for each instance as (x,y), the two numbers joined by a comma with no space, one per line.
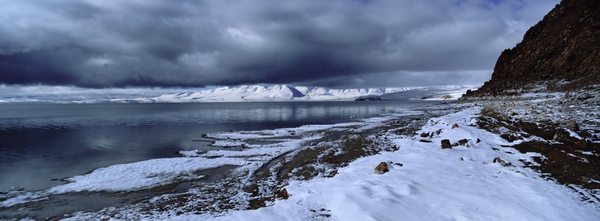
(193,43)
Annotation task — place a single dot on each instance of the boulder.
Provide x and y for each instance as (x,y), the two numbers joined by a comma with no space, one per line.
(382,168)
(282,193)
(446,144)
(501,162)
(454,126)
(462,141)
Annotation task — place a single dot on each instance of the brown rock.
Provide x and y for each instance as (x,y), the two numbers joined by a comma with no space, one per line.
(446,144)
(462,141)
(282,193)
(501,162)
(382,168)
(425,134)
(438,132)
(454,126)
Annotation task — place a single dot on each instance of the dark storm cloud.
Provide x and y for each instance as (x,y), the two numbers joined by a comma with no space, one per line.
(98,43)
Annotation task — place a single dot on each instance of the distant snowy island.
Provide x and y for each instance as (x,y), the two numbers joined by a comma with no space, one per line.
(245,93)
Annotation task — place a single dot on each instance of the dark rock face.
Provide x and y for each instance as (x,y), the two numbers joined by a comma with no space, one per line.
(561,53)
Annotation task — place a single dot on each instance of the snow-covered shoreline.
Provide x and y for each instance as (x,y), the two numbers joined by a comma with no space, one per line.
(462,183)
(425,182)
(260,147)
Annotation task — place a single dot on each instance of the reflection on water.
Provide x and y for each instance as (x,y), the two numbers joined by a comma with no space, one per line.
(40,143)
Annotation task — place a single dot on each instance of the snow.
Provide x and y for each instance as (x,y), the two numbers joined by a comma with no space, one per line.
(244,93)
(22,198)
(432,184)
(425,182)
(270,93)
(141,174)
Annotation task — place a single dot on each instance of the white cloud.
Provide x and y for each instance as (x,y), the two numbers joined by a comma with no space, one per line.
(244,36)
(99,62)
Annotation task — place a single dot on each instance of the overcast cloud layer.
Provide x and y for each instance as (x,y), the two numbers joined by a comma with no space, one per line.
(188,43)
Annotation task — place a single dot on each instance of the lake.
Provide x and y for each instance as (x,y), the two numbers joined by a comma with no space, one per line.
(42,143)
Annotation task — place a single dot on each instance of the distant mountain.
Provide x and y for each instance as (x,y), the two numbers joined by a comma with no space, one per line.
(261,93)
(257,93)
(421,93)
(246,93)
(560,53)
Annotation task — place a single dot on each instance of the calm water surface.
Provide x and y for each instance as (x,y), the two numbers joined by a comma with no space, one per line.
(41,143)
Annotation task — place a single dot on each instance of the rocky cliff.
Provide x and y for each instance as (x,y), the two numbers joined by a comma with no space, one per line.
(560,53)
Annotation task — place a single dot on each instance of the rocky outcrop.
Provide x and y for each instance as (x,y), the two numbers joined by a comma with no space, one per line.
(560,53)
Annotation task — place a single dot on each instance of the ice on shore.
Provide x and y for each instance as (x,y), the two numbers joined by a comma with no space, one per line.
(140,175)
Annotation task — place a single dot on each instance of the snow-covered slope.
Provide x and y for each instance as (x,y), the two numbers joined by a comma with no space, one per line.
(269,93)
(236,94)
(246,93)
(425,93)
(429,183)
(300,93)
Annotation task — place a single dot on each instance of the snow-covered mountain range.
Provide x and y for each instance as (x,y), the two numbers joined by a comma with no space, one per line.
(246,93)
(269,93)
(261,93)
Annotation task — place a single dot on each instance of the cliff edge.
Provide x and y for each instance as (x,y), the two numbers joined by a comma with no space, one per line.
(559,53)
